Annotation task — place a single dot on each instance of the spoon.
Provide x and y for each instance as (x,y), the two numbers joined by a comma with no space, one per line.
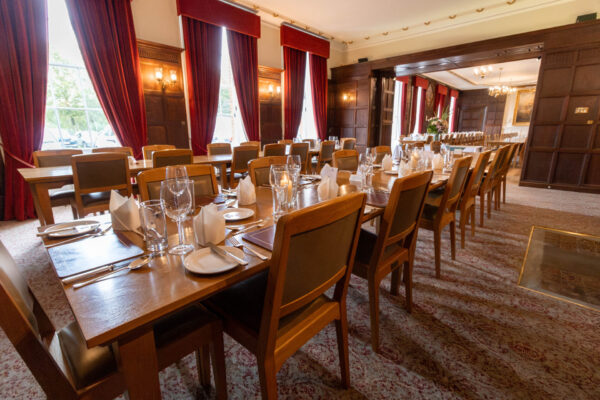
(135,264)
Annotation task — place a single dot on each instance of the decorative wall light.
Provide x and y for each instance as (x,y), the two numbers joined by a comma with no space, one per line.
(158,75)
(482,71)
(498,90)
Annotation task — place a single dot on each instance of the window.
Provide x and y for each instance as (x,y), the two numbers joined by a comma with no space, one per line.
(74,118)
(452,109)
(229,127)
(398,112)
(418,115)
(308,127)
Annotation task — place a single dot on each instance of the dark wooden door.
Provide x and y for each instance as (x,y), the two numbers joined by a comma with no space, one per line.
(387,111)
(563,147)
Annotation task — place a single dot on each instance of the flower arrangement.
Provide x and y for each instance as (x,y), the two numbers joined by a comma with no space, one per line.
(437,125)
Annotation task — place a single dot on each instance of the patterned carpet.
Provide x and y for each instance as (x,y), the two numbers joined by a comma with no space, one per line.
(472,335)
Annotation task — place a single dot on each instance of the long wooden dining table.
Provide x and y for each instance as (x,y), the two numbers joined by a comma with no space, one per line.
(123,308)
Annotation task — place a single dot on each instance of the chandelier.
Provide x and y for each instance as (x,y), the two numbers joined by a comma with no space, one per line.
(482,71)
(500,90)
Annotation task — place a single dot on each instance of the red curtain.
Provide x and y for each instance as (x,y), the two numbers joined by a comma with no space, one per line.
(417,120)
(203,65)
(23,78)
(106,37)
(243,52)
(294,62)
(453,117)
(440,99)
(318,86)
(403,81)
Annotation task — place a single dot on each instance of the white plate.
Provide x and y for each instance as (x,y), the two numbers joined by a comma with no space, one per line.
(92,226)
(236,214)
(204,261)
(391,172)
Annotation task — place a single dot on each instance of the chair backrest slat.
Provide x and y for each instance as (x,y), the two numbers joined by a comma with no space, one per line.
(148,150)
(242,155)
(348,144)
(100,172)
(218,148)
(121,149)
(205,181)
(326,152)
(346,160)
(274,149)
(260,168)
(54,158)
(164,158)
(380,152)
(301,149)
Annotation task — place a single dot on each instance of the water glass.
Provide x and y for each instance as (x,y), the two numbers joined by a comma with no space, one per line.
(294,164)
(176,172)
(154,224)
(177,196)
(365,168)
(280,184)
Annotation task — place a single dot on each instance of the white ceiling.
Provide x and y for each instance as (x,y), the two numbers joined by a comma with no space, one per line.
(514,73)
(360,23)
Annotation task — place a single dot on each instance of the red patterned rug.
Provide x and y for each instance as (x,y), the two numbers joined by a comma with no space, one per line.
(473,334)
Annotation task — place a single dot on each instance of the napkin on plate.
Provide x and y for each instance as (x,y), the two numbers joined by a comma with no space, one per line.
(356,180)
(209,225)
(387,163)
(438,162)
(328,188)
(124,212)
(246,193)
(403,169)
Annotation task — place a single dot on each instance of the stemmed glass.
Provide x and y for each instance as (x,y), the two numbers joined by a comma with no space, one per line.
(176,172)
(177,196)
(280,182)
(293,163)
(365,167)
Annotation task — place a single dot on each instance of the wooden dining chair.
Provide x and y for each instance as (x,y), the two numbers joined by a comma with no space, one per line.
(311,142)
(275,312)
(120,149)
(440,209)
(503,172)
(95,175)
(469,196)
(205,181)
(348,143)
(164,158)
(346,160)
(301,149)
(285,141)
(65,195)
(251,143)
(274,149)
(380,152)
(260,168)
(148,150)
(66,368)
(242,155)
(218,148)
(325,154)
(393,248)
(487,187)
(436,146)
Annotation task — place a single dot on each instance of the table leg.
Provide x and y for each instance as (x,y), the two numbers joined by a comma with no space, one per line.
(41,201)
(140,366)
(224,183)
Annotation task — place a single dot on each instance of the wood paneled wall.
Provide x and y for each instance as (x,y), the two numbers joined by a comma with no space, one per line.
(270,101)
(480,112)
(165,107)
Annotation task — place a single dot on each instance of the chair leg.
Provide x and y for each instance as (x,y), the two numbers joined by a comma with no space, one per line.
(408,284)
(464,215)
(395,281)
(504,189)
(341,328)
(203,365)
(231,180)
(218,362)
(374,311)
(437,239)
(453,239)
(481,209)
(473,221)
(489,203)
(268,379)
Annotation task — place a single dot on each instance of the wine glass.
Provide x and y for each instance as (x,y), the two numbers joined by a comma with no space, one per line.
(294,163)
(365,168)
(177,195)
(371,154)
(280,182)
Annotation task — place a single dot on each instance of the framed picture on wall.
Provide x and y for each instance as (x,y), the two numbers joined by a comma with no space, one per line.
(523,107)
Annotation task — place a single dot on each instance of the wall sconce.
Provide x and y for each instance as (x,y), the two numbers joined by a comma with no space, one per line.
(345,97)
(272,89)
(158,75)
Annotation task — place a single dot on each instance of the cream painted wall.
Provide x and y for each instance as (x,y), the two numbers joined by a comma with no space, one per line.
(156,21)
(507,121)
(556,15)
(269,50)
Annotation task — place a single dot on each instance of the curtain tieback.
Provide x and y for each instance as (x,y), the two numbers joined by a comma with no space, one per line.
(11,155)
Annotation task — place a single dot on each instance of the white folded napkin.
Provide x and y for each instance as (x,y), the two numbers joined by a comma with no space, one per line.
(403,169)
(209,225)
(387,163)
(328,171)
(124,212)
(327,189)
(438,162)
(356,180)
(246,193)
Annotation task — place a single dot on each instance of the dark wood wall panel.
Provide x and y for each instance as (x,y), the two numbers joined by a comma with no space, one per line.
(351,112)
(269,98)
(480,112)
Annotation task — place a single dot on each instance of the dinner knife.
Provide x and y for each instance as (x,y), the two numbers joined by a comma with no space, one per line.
(87,274)
(78,228)
(224,253)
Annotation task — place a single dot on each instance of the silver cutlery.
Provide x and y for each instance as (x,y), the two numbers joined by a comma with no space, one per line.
(135,264)
(251,227)
(235,243)
(243,226)
(77,228)
(75,239)
(87,274)
(224,253)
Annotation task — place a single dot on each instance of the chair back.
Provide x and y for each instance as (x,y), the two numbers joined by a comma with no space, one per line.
(436,146)
(301,149)
(380,152)
(311,142)
(346,160)
(313,250)
(476,176)
(242,155)
(274,149)
(508,158)
(164,158)
(100,172)
(326,152)
(205,181)
(348,143)
(455,185)
(122,149)
(148,150)
(251,143)
(218,148)
(400,221)
(260,168)
(29,329)
(285,141)
(53,158)
(493,168)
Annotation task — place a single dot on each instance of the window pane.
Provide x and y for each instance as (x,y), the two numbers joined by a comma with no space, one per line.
(308,127)
(73,125)
(65,87)
(91,100)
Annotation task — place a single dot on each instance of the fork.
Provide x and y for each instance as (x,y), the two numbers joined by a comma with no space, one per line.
(235,243)
(75,239)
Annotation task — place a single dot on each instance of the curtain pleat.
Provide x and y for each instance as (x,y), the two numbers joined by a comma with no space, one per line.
(294,62)
(318,85)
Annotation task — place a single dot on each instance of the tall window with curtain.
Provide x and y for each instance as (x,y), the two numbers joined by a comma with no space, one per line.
(452,111)
(399,110)
(307,128)
(420,85)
